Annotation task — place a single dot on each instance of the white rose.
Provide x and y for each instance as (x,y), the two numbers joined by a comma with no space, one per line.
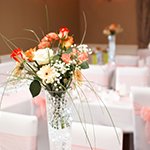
(42,56)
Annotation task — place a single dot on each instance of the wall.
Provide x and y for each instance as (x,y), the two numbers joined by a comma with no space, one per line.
(18,15)
(100,13)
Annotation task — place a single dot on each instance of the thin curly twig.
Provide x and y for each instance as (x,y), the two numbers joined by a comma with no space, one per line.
(32,31)
(85,28)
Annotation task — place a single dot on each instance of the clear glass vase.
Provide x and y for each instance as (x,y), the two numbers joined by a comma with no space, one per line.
(111,48)
(59,120)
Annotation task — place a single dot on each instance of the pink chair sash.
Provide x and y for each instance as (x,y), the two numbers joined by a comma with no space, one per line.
(79,147)
(16,142)
(40,102)
(144,113)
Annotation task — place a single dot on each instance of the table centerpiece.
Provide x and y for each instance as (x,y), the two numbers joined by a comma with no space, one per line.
(54,65)
(111,31)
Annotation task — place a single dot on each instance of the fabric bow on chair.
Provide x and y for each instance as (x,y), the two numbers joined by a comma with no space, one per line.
(144,113)
(40,102)
(141,117)
(17,131)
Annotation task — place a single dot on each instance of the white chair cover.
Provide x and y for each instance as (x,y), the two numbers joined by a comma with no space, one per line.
(143,53)
(131,76)
(17,131)
(99,75)
(147,61)
(141,117)
(126,60)
(5,71)
(100,137)
(16,96)
(5,58)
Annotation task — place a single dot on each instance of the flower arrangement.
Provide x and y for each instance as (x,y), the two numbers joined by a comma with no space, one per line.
(54,64)
(112,29)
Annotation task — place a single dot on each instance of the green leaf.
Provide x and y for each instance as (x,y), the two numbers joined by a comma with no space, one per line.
(84,65)
(37,78)
(56,57)
(35,88)
(69,50)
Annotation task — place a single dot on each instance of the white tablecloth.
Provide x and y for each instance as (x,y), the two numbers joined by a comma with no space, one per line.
(111,106)
(120,111)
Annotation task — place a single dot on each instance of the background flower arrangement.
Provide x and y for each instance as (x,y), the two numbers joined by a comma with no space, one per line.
(54,64)
(112,29)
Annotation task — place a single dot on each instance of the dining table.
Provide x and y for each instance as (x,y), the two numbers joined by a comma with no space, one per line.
(104,110)
(104,107)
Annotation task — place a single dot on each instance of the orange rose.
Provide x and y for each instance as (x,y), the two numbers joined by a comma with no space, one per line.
(30,54)
(113,26)
(67,42)
(78,76)
(17,55)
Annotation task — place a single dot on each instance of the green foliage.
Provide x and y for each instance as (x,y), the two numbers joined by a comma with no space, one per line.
(35,88)
(84,65)
(69,50)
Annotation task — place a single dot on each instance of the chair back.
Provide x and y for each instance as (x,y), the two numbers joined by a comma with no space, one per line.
(143,53)
(126,77)
(147,61)
(5,71)
(17,131)
(5,58)
(126,60)
(141,117)
(100,137)
(98,75)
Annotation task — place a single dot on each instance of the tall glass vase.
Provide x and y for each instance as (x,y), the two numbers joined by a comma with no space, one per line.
(59,120)
(111,48)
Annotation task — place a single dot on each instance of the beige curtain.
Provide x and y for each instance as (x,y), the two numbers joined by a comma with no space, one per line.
(143,18)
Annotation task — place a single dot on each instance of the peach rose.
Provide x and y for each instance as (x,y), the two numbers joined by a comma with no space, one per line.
(45,39)
(66,58)
(83,56)
(52,36)
(44,44)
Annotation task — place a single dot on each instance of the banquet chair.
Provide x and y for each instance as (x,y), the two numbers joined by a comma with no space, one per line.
(126,77)
(17,131)
(100,137)
(5,58)
(143,53)
(126,60)
(141,117)
(99,75)
(147,61)
(5,70)
(95,79)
